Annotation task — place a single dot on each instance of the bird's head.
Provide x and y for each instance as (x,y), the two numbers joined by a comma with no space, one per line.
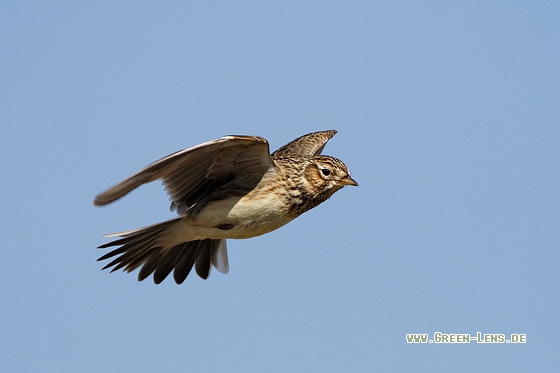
(327,174)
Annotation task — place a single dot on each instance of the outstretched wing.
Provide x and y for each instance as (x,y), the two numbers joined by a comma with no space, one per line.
(139,248)
(306,145)
(193,173)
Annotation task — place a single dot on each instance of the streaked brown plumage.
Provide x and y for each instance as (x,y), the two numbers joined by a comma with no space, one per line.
(231,187)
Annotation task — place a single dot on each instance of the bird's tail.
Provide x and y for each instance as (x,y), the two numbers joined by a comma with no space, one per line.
(140,247)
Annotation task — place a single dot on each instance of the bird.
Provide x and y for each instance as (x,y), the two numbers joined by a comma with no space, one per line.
(228,188)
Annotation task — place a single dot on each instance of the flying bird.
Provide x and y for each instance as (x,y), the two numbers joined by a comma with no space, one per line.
(232,187)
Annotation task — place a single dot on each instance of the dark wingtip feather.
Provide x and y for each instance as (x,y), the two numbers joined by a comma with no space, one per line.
(138,252)
(167,263)
(203,261)
(111,254)
(186,262)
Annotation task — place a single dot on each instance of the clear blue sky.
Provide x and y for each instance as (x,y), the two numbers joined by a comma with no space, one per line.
(448,116)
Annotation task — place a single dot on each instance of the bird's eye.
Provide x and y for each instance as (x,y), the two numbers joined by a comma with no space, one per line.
(326,171)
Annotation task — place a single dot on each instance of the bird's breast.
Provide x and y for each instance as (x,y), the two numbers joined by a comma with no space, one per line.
(240,217)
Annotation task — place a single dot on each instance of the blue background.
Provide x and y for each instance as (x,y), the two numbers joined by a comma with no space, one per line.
(448,117)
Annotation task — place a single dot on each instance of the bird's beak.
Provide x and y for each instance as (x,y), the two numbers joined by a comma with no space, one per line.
(347,180)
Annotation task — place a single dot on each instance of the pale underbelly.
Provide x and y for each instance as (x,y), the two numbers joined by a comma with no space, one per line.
(234,218)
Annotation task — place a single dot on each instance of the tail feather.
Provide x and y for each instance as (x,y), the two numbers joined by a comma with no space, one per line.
(140,248)
(139,244)
(129,261)
(134,255)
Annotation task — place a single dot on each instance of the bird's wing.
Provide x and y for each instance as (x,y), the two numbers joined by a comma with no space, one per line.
(193,173)
(306,145)
(138,248)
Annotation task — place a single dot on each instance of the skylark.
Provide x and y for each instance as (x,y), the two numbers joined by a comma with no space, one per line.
(231,187)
